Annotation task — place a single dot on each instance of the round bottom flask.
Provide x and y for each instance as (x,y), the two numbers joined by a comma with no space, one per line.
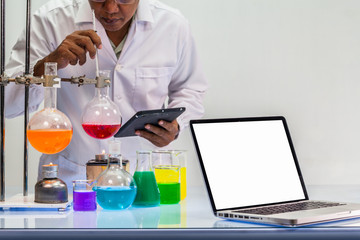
(49,131)
(101,118)
(115,188)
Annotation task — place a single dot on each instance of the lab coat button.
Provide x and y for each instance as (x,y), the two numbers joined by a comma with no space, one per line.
(118,67)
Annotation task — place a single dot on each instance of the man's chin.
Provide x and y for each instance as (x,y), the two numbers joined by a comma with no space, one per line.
(113,27)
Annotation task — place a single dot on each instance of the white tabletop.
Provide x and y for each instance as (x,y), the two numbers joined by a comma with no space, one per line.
(193,212)
(192,215)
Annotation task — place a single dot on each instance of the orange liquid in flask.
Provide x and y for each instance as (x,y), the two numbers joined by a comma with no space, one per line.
(49,141)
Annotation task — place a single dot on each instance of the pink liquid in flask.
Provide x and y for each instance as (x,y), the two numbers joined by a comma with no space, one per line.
(100,131)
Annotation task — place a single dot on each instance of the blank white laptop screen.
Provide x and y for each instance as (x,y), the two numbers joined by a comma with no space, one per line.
(248,163)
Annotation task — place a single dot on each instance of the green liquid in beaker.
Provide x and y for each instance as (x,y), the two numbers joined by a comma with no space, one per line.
(169,193)
(147,189)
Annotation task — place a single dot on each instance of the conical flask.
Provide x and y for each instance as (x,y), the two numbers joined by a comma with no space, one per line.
(49,131)
(115,188)
(148,193)
(101,118)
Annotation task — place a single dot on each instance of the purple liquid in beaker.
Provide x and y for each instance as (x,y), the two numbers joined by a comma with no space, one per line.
(84,200)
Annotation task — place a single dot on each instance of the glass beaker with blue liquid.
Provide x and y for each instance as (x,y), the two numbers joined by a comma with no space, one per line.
(115,188)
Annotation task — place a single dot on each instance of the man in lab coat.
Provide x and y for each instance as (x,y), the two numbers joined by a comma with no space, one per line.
(147,46)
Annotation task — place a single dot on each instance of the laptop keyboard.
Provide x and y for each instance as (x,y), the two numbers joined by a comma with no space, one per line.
(291,207)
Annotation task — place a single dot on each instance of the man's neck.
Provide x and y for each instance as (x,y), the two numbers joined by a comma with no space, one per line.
(117,36)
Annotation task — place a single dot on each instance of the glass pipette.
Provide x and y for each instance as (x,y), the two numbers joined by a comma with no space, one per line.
(96,56)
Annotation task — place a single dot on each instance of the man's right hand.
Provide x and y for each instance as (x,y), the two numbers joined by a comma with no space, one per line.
(72,50)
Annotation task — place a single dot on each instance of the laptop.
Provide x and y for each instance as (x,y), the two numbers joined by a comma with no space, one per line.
(252,174)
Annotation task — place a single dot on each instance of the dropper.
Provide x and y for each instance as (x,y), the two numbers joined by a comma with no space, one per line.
(96,56)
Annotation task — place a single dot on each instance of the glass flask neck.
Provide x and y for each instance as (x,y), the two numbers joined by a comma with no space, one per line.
(114,162)
(102,92)
(50,97)
(143,162)
(115,157)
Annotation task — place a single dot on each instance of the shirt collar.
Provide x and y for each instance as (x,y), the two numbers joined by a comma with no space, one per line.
(84,15)
(143,13)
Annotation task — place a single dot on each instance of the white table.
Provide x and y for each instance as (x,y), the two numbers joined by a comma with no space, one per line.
(192,218)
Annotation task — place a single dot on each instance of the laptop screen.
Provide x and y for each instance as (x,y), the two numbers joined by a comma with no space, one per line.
(247,162)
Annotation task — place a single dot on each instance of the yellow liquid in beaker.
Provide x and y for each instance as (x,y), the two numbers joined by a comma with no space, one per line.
(166,174)
(183,183)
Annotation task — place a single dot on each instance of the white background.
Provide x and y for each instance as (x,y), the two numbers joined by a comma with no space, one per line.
(297,58)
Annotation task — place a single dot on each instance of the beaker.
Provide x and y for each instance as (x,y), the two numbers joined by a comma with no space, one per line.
(147,189)
(115,188)
(49,131)
(179,157)
(168,179)
(173,157)
(84,197)
(101,118)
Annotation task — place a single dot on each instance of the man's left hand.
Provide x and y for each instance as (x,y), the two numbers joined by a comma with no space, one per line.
(160,136)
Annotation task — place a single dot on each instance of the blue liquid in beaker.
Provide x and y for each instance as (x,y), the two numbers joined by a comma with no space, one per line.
(115,198)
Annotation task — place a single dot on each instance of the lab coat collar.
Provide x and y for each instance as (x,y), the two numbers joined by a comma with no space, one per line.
(143,13)
(84,14)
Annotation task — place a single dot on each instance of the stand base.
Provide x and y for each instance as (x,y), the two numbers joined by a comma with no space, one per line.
(26,203)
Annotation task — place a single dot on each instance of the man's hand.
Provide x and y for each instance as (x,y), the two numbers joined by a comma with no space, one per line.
(72,50)
(160,136)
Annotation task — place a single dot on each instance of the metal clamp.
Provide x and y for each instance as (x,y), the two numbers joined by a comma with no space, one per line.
(4,80)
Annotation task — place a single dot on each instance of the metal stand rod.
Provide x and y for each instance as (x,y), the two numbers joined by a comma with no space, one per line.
(26,120)
(26,110)
(27,79)
(2,108)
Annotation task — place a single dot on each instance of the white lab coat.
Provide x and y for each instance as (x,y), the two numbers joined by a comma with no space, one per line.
(158,66)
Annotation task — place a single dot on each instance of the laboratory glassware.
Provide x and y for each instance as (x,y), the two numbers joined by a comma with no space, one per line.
(167,176)
(179,157)
(49,131)
(147,189)
(84,197)
(173,157)
(50,189)
(115,188)
(97,165)
(101,118)
(168,179)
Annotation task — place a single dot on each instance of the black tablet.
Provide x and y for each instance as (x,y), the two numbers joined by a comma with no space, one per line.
(140,119)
